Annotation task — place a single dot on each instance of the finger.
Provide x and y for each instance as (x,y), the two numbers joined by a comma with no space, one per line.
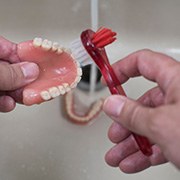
(152,65)
(8,51)
(152,98)
(17,75)
(130,114)
(17,95)
(117,133)
(137,162)
(120,151)
(7,104)
(157,156)
(153,123)
(4,62)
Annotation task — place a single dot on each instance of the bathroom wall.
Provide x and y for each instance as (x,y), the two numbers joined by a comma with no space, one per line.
(143,24)
(38,142)
(52,19)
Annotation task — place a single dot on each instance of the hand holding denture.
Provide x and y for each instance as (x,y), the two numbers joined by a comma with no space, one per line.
(14,75)
(35,71)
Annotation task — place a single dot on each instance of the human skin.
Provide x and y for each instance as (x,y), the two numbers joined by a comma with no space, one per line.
(155,115)
(14,75)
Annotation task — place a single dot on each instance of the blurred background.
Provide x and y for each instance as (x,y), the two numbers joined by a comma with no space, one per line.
(38,142)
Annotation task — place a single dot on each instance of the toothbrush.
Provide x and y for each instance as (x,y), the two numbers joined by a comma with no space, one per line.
(91,46)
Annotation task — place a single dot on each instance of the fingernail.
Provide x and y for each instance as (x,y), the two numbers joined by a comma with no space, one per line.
(113,105)
(30,70)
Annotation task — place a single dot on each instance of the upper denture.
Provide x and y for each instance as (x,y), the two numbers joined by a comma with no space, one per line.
(59,72)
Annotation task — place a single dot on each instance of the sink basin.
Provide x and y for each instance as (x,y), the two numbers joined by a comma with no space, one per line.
(39,142)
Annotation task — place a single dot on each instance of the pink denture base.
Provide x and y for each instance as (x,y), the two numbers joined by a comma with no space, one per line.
(55,69)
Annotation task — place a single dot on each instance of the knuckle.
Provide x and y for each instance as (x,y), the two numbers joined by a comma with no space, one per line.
(173,76)
(143,55)
(135,115)
(13,75)
(12,78)
(6,79)
(144,52)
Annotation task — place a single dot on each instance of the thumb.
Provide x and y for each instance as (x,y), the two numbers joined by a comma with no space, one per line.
(14,76)
(129,113)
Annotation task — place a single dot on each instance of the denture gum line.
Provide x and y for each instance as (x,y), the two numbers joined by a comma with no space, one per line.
(65,87)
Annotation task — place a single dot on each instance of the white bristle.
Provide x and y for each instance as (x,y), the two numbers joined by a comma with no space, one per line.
(85,63)
(80,50)
(80,53)
(76,41)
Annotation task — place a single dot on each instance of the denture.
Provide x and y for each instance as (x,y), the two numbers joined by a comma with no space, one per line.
(74,116)
(59,71)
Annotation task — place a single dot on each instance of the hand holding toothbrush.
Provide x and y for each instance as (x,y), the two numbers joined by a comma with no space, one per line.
(91,48)
(155,115)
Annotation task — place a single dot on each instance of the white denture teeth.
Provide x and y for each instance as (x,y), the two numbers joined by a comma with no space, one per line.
(54,92)
(78,78)
(75,61)
(66,87)
(37,42)
(55,46)
(73,85)
(61,90)
(46,45)
(45,95)
(79,72)
(67,50)
(78,64)
(60,50)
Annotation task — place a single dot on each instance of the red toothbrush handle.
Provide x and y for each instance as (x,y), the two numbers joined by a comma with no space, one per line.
(116,88)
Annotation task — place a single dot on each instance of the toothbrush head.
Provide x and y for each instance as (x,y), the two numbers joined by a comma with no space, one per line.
(90,46)
(103,37)
(94,43)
